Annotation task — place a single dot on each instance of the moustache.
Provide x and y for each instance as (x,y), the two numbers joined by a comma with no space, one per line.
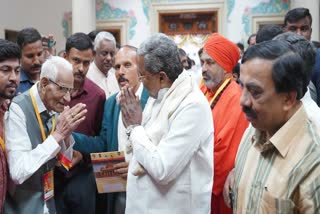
(122,79)
(206,75)
(79,74)
(13,85)
(249,111)
(35,66)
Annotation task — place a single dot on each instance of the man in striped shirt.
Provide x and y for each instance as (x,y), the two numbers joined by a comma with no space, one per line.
(278,163)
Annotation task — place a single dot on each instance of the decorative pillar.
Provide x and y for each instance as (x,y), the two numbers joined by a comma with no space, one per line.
(314,8)
(83,16)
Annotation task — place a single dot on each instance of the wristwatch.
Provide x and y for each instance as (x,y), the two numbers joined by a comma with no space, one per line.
(130,128)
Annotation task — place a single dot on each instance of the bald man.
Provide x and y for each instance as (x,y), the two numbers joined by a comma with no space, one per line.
(218,59)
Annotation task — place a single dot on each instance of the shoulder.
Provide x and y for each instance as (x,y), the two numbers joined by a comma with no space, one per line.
(93,88)
(23,75)
(198,101)
(25,96)
(230,97)
(233,89)
(112,98)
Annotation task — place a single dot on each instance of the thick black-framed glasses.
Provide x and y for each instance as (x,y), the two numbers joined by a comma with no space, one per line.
(61,88)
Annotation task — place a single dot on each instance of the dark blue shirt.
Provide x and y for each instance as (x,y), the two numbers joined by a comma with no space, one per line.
(25,82)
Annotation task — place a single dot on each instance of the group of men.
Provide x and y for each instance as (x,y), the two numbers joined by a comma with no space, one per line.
(188,148)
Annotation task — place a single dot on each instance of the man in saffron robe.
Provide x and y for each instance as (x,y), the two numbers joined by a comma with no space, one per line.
(218,59)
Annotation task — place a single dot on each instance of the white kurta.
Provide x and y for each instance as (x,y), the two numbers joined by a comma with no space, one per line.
(179,169)
(107,83)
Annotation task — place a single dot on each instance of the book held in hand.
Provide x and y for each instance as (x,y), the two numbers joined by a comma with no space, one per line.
(107,179)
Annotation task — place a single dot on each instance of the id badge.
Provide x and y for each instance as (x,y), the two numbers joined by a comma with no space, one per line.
(48,185)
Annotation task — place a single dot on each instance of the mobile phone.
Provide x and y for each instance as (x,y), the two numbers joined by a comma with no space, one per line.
(48,41)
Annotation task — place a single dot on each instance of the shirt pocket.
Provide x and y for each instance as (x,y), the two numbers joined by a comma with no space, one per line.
(271,204)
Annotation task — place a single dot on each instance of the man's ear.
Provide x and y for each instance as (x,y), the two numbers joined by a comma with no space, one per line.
(290,99)
(65,55)
(163,76)
(43,82)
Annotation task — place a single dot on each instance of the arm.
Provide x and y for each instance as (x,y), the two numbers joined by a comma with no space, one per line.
(169,158)
(86,144)
(309,193)
(24,161)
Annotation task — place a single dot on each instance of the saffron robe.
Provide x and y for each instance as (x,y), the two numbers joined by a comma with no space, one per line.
(229,125)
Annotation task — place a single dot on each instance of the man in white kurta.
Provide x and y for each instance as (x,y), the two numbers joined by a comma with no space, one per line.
(101,70)
(172,142)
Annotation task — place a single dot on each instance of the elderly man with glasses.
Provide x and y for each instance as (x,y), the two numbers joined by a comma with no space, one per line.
(72,198)
(36,136)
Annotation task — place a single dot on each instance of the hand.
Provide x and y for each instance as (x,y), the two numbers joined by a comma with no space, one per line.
(5,105)
(122,168)
(130,107)
(228,185)
(69,120)
(48,44)
(76,158)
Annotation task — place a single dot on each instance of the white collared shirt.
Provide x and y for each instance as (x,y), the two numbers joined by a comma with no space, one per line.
(122,136)
(23,161)
(107,82)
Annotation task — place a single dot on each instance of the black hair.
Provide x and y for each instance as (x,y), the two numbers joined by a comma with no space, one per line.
(252,35)
(297,14)
(118,46)
(93,34)
(189,61)
(268,32)
(27,36)
(181,52)
(241,46)
(288,70)
(200,51)
(9,50)
(80,41)
(236,69)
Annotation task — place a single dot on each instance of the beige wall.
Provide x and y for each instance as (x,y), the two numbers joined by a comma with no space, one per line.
(45,16)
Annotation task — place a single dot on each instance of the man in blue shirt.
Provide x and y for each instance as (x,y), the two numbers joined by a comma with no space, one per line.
(29,40)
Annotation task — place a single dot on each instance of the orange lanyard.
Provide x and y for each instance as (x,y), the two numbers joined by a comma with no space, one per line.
(219,90)
(2,140)
(44,137)
(2,144)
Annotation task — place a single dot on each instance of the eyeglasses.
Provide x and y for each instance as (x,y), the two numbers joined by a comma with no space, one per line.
(61,88)
(141,78)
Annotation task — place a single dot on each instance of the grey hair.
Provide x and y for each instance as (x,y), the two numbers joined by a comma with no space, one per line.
(161,54)
(103,36)
(52,65)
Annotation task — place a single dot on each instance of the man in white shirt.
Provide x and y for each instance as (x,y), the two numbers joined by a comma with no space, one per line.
(172,142)
(35,137)
(101,70)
